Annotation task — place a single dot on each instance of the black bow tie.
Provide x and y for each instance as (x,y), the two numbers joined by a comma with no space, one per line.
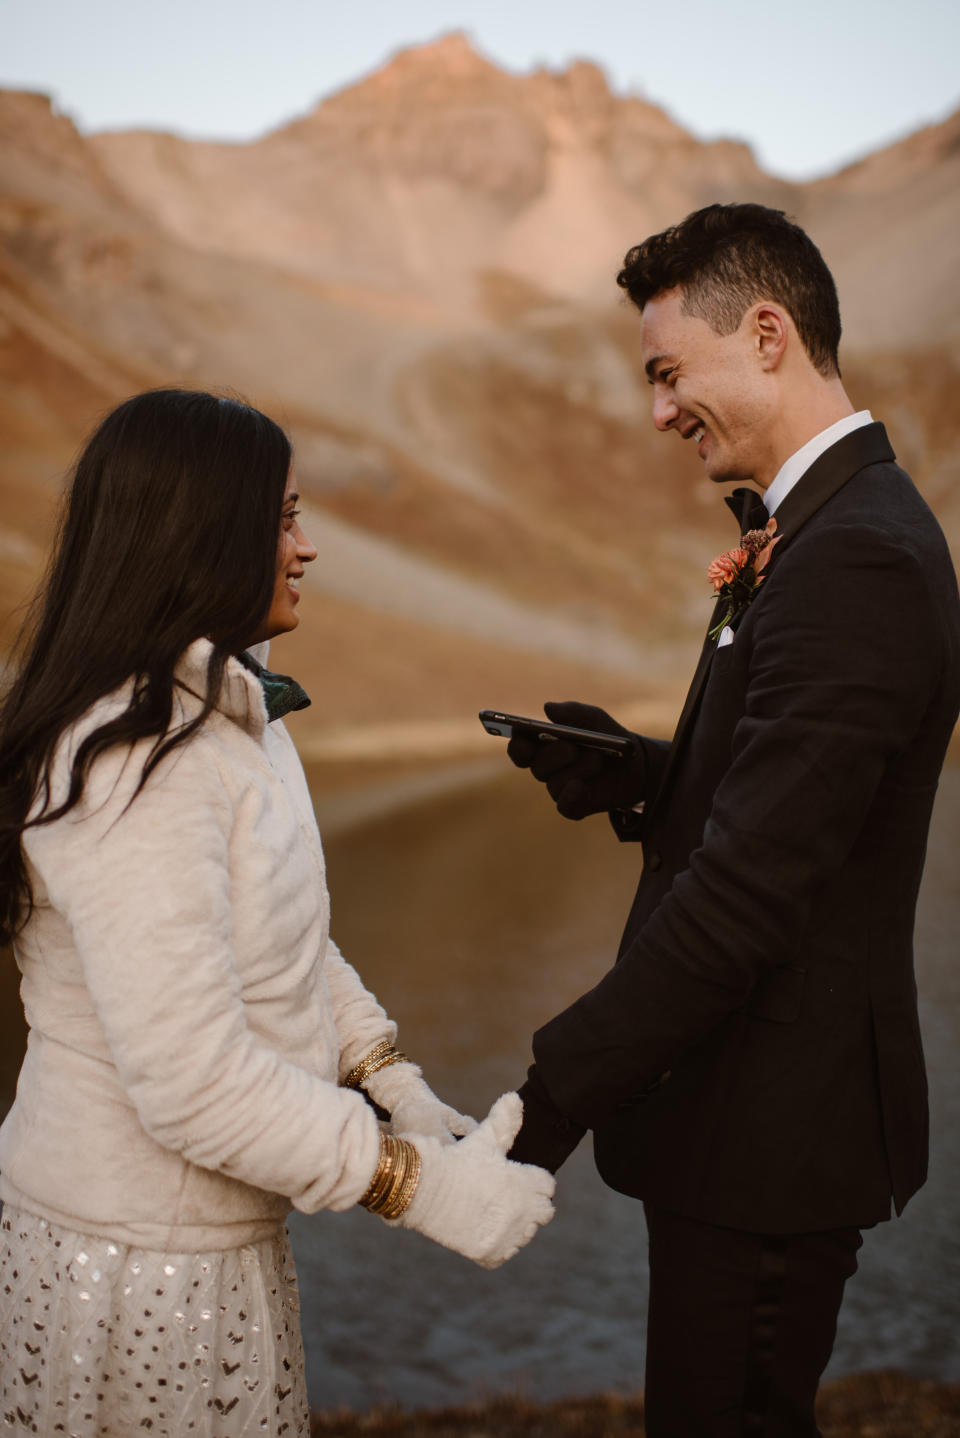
(749,509)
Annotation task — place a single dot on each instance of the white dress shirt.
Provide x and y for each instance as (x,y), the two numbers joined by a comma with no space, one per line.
(794,468)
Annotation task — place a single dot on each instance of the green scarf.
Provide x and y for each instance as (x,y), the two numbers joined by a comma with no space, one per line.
(281,694)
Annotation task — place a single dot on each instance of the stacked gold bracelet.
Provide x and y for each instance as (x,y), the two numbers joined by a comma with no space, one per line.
(377,1058)
(395,1179)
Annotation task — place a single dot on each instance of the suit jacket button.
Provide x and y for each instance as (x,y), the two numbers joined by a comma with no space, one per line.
(653,860)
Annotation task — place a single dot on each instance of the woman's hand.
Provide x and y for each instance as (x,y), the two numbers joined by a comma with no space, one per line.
(413,1106)
(472,1198)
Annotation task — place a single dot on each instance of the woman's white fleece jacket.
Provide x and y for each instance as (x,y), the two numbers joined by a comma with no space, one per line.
(189,1015)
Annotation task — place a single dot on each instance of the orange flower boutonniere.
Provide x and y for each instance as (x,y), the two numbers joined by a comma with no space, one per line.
(736,576)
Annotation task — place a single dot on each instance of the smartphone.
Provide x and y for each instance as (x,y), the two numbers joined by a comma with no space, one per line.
(506,725)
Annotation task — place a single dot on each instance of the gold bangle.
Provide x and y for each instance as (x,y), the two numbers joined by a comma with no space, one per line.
(407,1187)
(387,1203)
(376,1180)
(383,1055)
(405,1184)
(360,1071)
(395,1179)
(394,1058)
(379,1185)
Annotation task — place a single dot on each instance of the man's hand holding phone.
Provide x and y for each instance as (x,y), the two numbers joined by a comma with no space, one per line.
(581,780)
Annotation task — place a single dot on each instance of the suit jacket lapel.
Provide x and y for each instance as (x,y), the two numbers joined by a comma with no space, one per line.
(750,512)
(692,701)
(867,445)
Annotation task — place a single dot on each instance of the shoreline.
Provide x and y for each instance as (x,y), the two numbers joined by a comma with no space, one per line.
(881,1404)
(432,740)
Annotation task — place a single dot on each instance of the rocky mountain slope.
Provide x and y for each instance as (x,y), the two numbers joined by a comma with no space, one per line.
(417,278)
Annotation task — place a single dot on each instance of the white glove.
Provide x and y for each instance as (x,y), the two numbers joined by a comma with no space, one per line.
(475,1200)
(413,1106)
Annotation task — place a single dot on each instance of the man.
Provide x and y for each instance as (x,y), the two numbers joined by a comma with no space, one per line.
(751,1067)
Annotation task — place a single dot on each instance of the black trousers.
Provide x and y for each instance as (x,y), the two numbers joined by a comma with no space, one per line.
(740,1327)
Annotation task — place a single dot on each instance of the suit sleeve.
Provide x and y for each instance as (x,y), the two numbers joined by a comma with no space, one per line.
(628,825)
(845,661)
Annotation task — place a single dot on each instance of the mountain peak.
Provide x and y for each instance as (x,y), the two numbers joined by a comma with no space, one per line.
(31,125)
(452,56)
(453,50)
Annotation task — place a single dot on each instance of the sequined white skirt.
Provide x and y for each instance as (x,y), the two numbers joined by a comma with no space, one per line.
(101,1340)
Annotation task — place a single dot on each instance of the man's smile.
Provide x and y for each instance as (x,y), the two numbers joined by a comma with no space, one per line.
(696,431)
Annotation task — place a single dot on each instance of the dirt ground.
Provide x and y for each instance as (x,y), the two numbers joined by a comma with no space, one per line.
(864,1405)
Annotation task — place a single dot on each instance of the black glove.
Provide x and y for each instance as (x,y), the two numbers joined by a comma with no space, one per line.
(582,781)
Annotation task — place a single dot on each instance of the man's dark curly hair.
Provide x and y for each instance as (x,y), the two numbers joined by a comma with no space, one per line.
(727,257)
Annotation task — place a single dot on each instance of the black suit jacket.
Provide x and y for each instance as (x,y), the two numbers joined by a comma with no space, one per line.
(753,1059)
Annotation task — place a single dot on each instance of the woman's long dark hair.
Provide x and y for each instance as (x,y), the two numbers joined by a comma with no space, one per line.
(169,532)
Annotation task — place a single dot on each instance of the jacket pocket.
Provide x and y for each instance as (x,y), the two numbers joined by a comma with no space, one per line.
(778,994)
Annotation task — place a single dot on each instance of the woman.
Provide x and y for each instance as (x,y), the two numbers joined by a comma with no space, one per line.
(197,1043)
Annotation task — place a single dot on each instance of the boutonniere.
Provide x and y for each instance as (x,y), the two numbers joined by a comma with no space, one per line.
(737,575)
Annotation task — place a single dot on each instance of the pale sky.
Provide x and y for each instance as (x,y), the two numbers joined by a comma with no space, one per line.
(810,84)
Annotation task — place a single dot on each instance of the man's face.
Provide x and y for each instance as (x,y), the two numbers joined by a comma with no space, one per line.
(708,387)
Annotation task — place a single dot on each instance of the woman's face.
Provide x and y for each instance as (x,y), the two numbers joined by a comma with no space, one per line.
(294,550)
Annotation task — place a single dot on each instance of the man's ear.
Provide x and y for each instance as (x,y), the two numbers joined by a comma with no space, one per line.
(771,331)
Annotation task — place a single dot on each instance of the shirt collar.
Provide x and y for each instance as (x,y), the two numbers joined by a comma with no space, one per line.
(281,693)
(800,461)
